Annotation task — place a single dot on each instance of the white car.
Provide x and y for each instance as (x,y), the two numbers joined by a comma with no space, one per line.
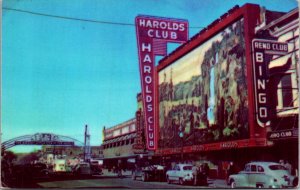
(181,173)
(263,175)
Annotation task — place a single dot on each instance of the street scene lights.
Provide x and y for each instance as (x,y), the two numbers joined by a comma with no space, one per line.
(181,135)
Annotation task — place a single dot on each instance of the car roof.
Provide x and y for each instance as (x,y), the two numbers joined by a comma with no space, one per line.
(264,163)
(184,164)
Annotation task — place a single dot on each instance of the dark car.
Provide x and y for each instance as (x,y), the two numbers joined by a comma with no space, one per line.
(83,169)
(96,169)
(40,170)
(31,171)
(152,172)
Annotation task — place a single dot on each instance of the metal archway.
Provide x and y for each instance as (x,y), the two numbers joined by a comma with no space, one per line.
(41,139)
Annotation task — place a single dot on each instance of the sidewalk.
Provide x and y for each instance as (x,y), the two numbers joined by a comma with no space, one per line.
(217,183)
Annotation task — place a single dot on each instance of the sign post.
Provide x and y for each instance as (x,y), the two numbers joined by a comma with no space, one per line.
(261,49)
(153,33)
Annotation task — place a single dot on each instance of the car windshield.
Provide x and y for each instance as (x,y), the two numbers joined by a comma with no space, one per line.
(277,167)
(187,167)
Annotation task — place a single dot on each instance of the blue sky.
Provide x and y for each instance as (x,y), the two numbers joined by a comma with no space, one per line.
(58,74)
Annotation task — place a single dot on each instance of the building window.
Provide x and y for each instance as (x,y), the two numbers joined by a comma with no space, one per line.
(287,91)
(131,141)
(127,141)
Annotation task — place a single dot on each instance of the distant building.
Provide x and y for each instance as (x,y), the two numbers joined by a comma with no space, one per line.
(72,151)
(118,142)
(125,142)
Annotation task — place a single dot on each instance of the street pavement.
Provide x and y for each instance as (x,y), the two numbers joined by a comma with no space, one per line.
(214,183)
(110,180)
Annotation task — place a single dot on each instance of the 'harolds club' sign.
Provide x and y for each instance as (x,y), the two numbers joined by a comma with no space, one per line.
(153,33)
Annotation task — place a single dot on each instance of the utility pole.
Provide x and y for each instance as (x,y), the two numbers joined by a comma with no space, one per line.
(87,147)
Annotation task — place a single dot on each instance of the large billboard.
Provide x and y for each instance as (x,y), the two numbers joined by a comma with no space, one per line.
(203,96)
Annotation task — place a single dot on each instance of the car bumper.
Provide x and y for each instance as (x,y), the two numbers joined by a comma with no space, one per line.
(188,178)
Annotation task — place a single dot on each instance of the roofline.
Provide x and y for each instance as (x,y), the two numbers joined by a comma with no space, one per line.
(132,119)
(274,22)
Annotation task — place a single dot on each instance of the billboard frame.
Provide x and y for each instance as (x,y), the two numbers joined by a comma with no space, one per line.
(251,15)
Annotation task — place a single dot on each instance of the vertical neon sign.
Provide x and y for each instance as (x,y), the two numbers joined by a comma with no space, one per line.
(153,33)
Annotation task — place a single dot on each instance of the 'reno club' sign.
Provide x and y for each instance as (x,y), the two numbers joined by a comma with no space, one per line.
(261,48)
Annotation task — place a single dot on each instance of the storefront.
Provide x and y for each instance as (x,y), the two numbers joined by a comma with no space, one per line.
(284,91)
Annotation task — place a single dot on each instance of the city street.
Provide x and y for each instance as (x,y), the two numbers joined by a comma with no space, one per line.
(150,94)
(110,180)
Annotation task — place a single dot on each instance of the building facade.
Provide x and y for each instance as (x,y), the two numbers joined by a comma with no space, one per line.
(118,143)
(211,107)
(216,104)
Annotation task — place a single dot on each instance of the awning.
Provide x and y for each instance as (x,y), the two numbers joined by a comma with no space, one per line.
(117,157)
(118,139)
(280,62)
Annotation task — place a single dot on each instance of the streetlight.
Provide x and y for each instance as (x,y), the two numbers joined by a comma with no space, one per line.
(181,134)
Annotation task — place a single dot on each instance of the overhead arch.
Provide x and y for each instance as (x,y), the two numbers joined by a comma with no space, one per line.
(41,139)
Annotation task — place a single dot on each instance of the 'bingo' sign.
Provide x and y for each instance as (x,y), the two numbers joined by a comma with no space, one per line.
(261,48)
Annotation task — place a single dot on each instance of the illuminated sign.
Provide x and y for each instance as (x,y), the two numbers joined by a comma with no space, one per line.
(261,49)
(153,33)
(70,143)
(139,145)
(283,134)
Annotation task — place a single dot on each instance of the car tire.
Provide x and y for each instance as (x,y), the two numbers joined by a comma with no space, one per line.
(295,182)
(168,180)
(181,182)
(259,186)
(232,184)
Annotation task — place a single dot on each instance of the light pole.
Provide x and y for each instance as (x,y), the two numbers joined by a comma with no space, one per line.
(181,134)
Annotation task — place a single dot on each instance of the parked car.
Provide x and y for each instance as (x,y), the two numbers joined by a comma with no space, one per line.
(30,171)
(96,169)
(83,169)
(152,172)
(181,173)
(40,170)
(263,175)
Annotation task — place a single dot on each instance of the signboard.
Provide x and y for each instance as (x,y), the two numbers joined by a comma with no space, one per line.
(215,146)
(261,49)
(153,33)
(139,145)
(283,134)
(203,94)
(70,143)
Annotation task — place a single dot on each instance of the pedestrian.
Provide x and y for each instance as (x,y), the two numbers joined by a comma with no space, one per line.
(288,166)
(195,170)
(206,169)
(231,169)
(119,168)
